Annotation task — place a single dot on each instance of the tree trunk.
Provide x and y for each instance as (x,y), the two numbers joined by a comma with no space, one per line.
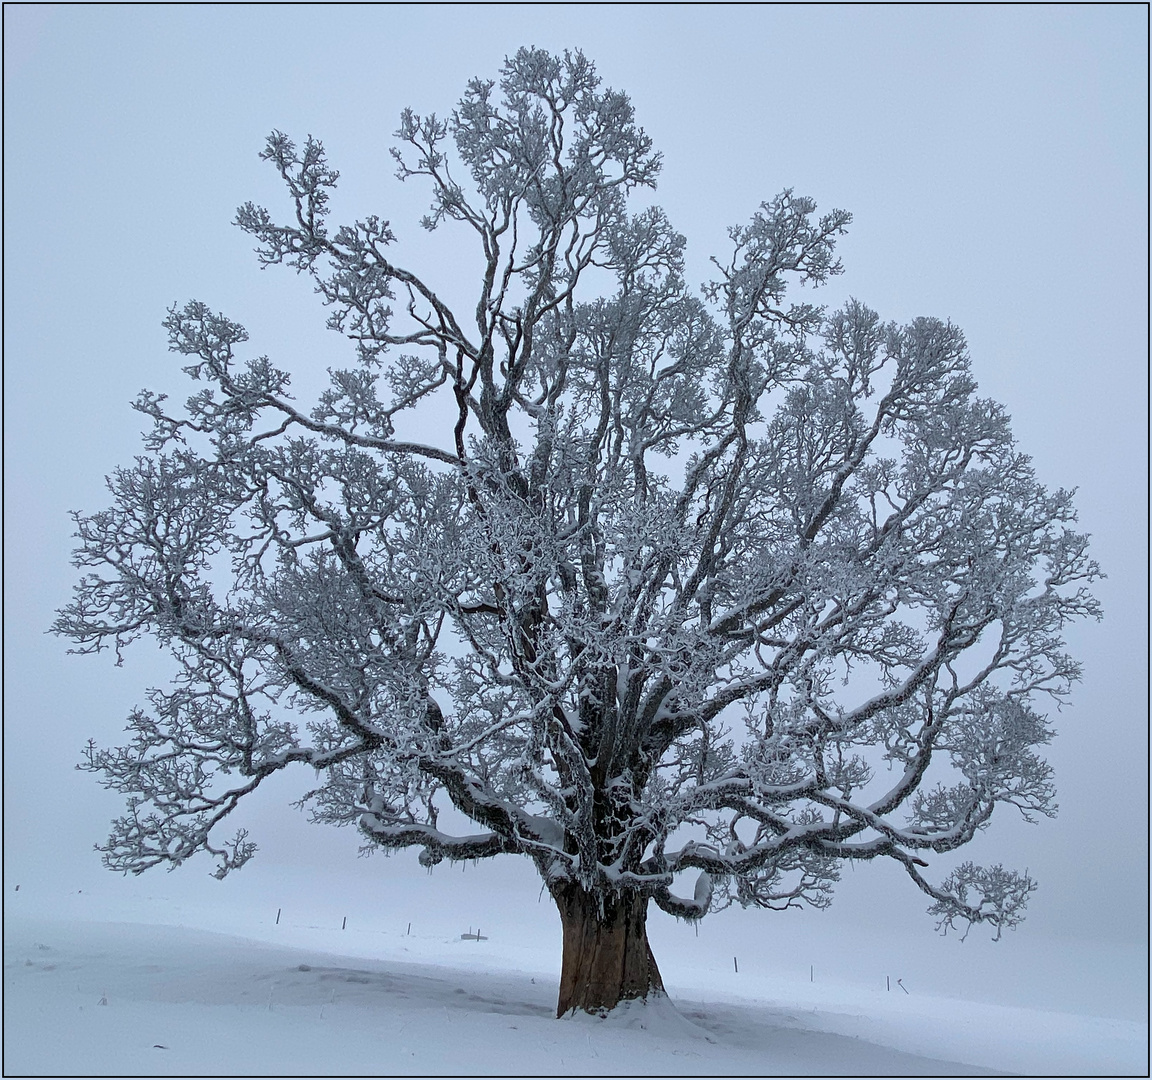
(607,958)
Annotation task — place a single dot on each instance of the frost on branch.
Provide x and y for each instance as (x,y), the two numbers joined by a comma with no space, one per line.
(648,586)
(1000,896)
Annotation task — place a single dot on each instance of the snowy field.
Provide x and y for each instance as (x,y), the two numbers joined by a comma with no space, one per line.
(179,975)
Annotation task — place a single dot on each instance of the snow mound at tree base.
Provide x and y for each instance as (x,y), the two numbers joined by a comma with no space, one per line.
(655,1013)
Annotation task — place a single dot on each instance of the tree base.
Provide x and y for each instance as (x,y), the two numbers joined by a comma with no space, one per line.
(607,958)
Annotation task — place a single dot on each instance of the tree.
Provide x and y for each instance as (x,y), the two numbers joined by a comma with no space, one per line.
(639,582)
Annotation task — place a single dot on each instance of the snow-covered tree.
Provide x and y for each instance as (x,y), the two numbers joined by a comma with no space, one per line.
(649,586)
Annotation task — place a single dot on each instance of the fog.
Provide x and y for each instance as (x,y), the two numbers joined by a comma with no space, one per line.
(994,159)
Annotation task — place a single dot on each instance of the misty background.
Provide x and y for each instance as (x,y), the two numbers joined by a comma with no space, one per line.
(995,162)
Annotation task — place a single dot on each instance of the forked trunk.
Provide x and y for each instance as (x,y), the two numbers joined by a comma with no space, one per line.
(607,958)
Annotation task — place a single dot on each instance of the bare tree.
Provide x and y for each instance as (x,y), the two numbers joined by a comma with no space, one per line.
(637,581)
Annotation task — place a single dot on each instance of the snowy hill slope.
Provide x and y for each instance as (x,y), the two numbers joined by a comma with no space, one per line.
(99,999)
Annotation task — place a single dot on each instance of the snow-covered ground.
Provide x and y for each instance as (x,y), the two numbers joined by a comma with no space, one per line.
(181,976)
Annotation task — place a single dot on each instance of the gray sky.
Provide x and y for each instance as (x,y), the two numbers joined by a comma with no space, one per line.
(994,159)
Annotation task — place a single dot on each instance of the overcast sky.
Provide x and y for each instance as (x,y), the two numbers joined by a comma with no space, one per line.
(994,159)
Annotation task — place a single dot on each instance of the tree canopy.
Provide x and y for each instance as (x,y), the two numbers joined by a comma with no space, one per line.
(638,580)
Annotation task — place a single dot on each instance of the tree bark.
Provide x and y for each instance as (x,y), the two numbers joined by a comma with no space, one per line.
(606,957)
